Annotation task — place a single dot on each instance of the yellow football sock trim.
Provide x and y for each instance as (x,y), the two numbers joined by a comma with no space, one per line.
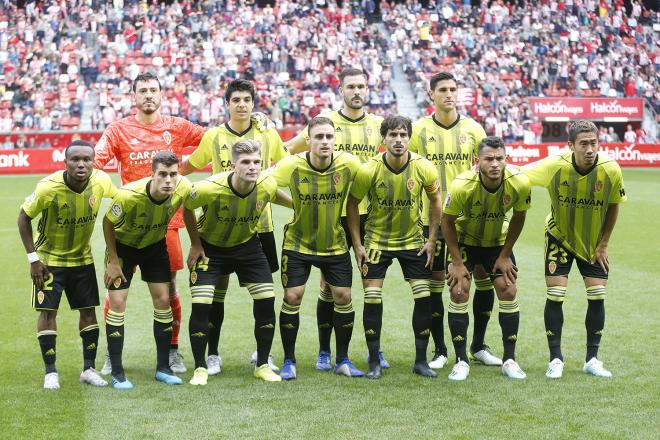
(219,295)
(484,285)
(373,295)
(420,288)
(556,293)
(202,294)
(509,306)
(260,290)
(344,308)
(596,293)
(47,333)
(457,308)
(163,315)
(437,287)
(115,319)
(290,309)
(326,295)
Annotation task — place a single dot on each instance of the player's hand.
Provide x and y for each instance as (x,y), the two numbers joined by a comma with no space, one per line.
(196,253)
(429,250)
(455,274)
(113,275)
(39,274)
(602,258)
(508,269)
(261,121)
(361,257)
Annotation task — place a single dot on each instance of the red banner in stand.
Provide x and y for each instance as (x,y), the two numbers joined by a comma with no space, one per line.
(43,161)
(587,108)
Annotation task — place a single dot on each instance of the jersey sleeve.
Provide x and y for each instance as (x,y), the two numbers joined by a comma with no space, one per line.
(415,143)
(354,165)
(362,182)
(479,135)
(454,201)
(430,178)
(282,171)
(117,210)
(195,133)
(277,151)
(618,193)
(198,192)
(524,201)
(109,188)
(538,172)
(37,201)
(271,187)
(202,155)
(105,149)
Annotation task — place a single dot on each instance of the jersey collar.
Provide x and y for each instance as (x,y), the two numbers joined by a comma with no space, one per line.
(493,191)
(235,133)
(364,115)
(309,162)
(446,127)
(231,187)
(584,173)
(154,201)
(66,182)
(403,168)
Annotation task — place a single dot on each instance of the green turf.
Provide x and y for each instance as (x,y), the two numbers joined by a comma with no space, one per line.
(318,404)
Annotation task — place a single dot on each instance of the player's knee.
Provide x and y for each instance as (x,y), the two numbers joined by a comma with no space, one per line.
(293,296)
(48,316)
(460,295)
(87,317)
(508,293)
(341,295)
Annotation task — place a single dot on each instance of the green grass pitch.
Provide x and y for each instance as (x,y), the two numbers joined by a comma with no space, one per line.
(235,405)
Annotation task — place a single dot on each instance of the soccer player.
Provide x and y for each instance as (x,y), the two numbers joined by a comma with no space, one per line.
(585,190)
(319,181)
(450,141)
(133,141)
(477,232)
(394,183)
(356,132)
(134,228)
(61,257)
(215,148)
(225,242)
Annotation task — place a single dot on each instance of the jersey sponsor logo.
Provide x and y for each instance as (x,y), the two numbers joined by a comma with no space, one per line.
(487,215)
(167,137)
(552,267)
(321,197)
(398,203)
(225,164)
(116,210)
(580,201)
(357,148)
(76,220)
(147,228)
(143,156)
(449,157)
(410,184)
(238,220)
(336,178)
(92,200)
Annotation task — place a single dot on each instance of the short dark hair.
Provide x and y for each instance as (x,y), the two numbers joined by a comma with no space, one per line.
(440,76)
(147,76)
(351,71)
(78,143)
(246,146)
(394,122)
(581,126)
(491,142)
(319,120)
(240,85)
(167,158)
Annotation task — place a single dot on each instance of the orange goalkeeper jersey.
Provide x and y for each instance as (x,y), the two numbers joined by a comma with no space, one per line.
(134,144)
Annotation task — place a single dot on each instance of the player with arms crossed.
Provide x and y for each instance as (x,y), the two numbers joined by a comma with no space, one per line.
(585,190)
(216,148)
(225,242)
(356,132)
(394,183)
(134,228)
(61,257)
(477,232)
(450,141)
(319,181)
(133,141)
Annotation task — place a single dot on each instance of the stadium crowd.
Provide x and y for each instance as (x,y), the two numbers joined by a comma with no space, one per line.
(508,51)
(53,56)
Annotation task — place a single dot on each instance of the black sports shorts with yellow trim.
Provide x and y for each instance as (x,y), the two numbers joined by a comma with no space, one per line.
(79,284)
(412,265)
(440,250)
(559,260)
(484,256)
(296,266)
(344,225)
(247,260)
(153,261)
(269,247)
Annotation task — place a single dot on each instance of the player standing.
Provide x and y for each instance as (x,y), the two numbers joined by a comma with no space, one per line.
(319,181)
(358,133)
(215,148)
(394,182)
(226,241)
(450,141)
(133,141)
(134,228)
(585,190)
(477,232)
(61,257)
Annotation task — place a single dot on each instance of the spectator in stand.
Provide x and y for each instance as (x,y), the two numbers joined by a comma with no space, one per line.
(612,135)
(630,137)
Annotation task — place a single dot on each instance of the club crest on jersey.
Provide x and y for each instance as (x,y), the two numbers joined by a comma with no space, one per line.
(336,178)
(462,139)
(167,137)
(369,131)
(552,266)
(506,199)
(599,186)
(40,297)
(116,210)
(92,200)
(193,277)
(170,210)
(410,184)
(260,204)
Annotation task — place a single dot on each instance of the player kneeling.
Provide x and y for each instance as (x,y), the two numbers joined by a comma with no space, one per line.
(225,241)
(476,231)
(134,229)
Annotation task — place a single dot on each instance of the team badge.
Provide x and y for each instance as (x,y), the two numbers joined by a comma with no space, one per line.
(92,200)
(117,282)
(170,210)
(193,277)
(116,210)
(40,297)
(167,137)
(506,199)
(336,178)
(365,270)
(285,279)
(462,138)
(260,204)
(552,266)
(410,184)
(599,186)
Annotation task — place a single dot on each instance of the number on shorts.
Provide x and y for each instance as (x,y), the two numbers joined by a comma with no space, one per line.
(554,250)
(285,260)
(48,283)
(374,256)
